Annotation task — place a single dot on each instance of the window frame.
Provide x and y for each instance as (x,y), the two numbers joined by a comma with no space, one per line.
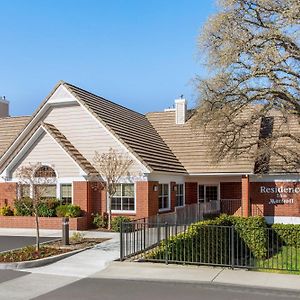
(120,211)
(178,195)
(204,197)
(168,208)
(59,191)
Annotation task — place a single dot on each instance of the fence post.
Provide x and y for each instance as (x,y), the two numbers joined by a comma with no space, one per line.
(121,242)
(232,246)
(144,233)
(166,242)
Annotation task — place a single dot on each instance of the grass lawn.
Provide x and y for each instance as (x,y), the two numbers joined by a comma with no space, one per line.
(285,261)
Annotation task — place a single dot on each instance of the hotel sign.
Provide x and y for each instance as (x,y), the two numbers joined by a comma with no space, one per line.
(281,194)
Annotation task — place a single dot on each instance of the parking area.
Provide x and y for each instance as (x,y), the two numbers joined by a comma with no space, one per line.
(13,242)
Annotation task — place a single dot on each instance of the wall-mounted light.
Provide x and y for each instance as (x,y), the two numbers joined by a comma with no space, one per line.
(174,188)
(155,188)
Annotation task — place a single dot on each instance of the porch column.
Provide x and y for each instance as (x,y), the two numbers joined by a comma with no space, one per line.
(245,196)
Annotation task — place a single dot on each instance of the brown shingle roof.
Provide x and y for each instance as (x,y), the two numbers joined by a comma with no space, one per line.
(9,129)
(132,129)
(193,149)
(71,150)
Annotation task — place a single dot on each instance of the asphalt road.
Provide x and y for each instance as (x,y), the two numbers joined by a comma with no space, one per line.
(111,289)
(13,242)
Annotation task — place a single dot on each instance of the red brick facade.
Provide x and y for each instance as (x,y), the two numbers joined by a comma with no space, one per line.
(191,193)
(268,202)
(8,193)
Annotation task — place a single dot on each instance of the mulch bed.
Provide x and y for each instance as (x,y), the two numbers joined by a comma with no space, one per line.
(29,253)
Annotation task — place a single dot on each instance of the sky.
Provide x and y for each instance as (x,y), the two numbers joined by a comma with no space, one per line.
(139,53)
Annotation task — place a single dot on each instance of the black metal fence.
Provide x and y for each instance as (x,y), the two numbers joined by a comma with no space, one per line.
(210,245)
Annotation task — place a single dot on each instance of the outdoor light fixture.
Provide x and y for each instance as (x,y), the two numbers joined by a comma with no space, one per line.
(174,188)
(155,188)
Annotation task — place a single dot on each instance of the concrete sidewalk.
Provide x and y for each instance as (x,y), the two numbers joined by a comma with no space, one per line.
(52,232)
(195,274)
(87,262)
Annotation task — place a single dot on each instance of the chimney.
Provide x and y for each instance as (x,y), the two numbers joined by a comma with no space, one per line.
(180,109)
(4,107)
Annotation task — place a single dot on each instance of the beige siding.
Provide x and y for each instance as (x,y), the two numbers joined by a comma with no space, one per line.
(83,131)
(45,150)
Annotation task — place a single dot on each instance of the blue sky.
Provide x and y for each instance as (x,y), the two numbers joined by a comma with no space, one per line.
(139,53)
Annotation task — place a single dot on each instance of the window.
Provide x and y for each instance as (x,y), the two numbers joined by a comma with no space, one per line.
(24,191)
(179,195)
(46,191)
(163,196)
(123,199)
(44,171)
(207,193)
(66,193)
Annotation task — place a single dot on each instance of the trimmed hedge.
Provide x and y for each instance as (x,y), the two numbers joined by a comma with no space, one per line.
(68,210)
(209,241)
(288,233)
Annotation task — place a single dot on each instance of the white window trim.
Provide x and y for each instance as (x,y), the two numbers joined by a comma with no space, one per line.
(169,198)
(58,190)
(127,212)
(183,194)
(205,185)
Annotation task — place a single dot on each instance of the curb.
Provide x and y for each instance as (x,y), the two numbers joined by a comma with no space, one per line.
(39,262)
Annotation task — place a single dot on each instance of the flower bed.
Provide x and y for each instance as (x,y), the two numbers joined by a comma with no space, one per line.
(45,222)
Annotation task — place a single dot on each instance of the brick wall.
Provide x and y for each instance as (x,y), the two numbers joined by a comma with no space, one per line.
(8,193)
(173,196)
(191,194)
(245,196)
(45,223)
(260,202)
(146,199)
(231,190)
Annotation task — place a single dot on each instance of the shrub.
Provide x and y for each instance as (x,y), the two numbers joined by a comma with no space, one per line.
(48,207)
(23,206)
(6,211)
(116,222)
(100,221)
(288,233)
(77,237)
(69,210)
(208,241)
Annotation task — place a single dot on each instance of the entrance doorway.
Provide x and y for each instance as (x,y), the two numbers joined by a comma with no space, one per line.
(208,198)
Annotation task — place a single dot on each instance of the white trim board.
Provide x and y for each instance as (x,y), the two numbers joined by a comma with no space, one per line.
(283,220)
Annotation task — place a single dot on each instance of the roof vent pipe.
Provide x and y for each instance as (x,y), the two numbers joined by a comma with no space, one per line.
(180,109)
(4,107)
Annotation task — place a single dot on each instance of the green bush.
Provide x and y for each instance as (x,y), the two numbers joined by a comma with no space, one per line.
(100,221)
(288,233)
(47,208)
(6,211)
(23,206)
(116,222)
(208,241)
(68,210)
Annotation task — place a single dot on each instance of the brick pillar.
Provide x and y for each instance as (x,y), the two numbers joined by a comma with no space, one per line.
(81,195)
(245,196)
(173,195)
(146,199)
(191,193)
(8,193)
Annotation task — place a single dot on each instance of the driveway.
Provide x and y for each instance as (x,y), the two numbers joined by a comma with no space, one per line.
(13,242)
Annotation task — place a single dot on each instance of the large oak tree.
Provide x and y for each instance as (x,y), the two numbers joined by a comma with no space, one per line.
(249,104)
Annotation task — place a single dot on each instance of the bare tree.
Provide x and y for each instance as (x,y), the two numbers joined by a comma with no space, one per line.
(249,105)
(112,166)
(37,178)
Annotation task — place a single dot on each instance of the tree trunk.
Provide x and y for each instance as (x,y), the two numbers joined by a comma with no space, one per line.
(109,211)
(37,226)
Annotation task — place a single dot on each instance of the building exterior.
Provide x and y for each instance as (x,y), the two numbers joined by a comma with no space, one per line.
(171,165)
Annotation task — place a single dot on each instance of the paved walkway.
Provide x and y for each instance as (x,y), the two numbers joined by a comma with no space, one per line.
(195,274)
